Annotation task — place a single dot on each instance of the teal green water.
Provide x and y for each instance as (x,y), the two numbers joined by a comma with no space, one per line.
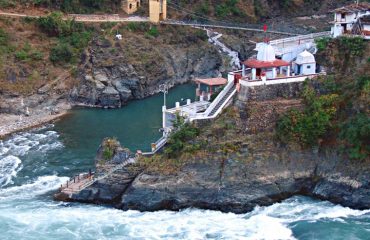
(33,165)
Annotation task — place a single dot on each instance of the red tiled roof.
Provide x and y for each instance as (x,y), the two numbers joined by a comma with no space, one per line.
(354,7)
(254,63)
(211,81)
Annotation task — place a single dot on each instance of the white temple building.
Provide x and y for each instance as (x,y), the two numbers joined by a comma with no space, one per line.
(266,68)
(305,64)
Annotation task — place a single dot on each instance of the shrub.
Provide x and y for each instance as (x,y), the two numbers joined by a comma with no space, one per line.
(54,25)
(153,31)
(322,43)
(21,55)
(356,134)
(7,3)
(178,140)
(308,126)
(355,45)
(62,53)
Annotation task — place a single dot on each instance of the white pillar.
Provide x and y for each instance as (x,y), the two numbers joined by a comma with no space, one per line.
(164,117)
(254,73)
(188,101)
(288,71)
(201,98)
(243,70)
(177,104)
(274,72)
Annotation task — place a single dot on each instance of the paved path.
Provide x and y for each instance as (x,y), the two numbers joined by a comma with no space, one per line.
(85,17)
(117,18)
(175,22)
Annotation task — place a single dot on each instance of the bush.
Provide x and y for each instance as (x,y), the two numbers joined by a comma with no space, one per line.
(356,135)
(55,26)
(7,3)
(322,43)
(21,55)
(62,53)
(153,31)
(308,126)
(5,46)
(355,45)
(178,140)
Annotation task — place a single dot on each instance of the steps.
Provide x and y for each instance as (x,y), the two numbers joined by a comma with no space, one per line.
(220,103)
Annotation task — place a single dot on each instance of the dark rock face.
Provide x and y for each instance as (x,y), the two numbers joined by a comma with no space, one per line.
(112,74)
(235,186)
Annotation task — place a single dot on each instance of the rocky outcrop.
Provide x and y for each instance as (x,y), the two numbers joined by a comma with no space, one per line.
(112,73)
(237,184)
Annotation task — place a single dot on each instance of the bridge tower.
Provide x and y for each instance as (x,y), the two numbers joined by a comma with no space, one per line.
(157,10)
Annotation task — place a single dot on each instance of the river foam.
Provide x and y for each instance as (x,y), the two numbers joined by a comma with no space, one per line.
(18,146)
(40,186)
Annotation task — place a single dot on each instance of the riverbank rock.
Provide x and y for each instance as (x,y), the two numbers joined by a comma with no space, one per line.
(235,184)
(112,75)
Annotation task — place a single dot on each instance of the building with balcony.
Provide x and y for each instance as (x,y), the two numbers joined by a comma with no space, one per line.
(349,20)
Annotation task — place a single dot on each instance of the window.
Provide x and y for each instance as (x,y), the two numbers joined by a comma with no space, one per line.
(343,15)
(130,6)
(309,67)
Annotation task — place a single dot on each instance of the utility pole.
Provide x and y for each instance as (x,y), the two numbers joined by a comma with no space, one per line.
(164,88)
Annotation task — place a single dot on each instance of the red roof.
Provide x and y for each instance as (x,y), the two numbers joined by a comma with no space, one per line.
(212,81)
(254,63)
(354,7)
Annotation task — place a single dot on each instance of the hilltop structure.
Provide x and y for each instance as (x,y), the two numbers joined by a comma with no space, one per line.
(130,6)
(157,10)
(353,19)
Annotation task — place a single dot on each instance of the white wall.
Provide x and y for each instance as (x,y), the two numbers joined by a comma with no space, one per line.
(308,68)
(367,27)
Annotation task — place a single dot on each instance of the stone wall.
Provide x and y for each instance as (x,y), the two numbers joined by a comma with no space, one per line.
(270,92)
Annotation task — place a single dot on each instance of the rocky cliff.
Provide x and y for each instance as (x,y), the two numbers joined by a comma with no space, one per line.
(116,71)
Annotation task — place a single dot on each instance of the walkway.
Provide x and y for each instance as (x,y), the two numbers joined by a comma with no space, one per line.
(205,25)
(83,181)
(85,17)
(289,45)
(117,18)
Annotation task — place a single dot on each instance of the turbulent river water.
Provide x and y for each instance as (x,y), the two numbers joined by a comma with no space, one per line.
(33,165)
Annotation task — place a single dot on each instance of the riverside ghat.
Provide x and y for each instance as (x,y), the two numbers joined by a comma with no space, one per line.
(261,72)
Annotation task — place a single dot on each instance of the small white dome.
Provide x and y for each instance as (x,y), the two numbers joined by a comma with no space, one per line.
(305,57)
(266,53)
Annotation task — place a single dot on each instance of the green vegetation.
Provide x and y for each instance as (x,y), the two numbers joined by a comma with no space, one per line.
(5,46)
(72,37)
(322,43)
(355,132)
(336,106)
(27,53)
(153,31)
(177,143)
(7,3)
(110,146)
(61,53)
(355,45)
(228,8)
(308,126)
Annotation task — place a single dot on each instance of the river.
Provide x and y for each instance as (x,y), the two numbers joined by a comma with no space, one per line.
(33,164)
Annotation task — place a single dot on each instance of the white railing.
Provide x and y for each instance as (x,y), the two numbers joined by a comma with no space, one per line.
(220,96)
(279,80)
(300,37)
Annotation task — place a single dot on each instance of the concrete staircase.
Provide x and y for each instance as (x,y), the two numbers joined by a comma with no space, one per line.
(222,101)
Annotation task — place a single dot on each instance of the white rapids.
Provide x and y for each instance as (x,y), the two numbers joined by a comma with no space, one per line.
(27,210)
(15,148)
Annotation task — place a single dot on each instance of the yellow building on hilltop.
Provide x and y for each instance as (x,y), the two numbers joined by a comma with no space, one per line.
(130,6)
(157,10)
